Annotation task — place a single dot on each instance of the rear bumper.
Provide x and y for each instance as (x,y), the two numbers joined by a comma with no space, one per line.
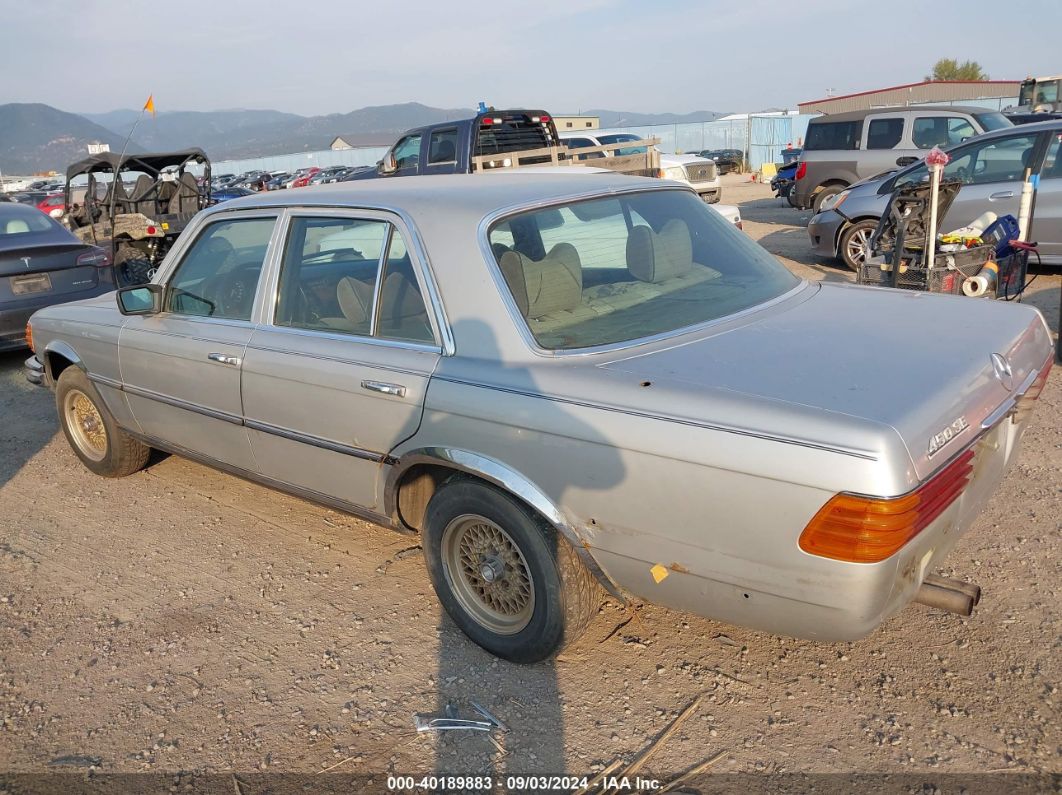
(16,314)
(808,596)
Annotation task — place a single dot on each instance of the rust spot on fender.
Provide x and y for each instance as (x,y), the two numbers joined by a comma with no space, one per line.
(679,568)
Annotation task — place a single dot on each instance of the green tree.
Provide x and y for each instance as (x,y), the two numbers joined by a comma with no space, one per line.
(950,69)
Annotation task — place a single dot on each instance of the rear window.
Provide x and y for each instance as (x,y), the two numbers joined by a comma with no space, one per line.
(23,223)
(617,269)
(832,135)
(511,132)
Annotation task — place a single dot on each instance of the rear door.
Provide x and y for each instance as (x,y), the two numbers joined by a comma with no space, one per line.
(1047,220)
(335,376)
(883,141)
(181,368)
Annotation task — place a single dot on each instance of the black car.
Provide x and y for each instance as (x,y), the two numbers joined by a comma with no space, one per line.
(41,263)
(726,160)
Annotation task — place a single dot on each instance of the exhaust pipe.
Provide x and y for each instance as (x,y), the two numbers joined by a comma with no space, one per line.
(944,593)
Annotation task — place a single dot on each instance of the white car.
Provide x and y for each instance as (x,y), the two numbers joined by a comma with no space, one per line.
(697,172)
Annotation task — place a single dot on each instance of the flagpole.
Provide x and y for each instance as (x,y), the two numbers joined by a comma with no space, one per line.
(115,177)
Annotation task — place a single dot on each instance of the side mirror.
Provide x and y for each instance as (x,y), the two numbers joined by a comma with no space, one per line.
(388,165)
(143,299)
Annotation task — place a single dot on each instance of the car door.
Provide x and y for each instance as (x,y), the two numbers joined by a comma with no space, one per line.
(181,368)
(441,155)
(991,173)
(407,156)
(1047,216)
(335,376)
(883,137)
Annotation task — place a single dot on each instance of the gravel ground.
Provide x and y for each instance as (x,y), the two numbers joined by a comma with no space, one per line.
(182,619)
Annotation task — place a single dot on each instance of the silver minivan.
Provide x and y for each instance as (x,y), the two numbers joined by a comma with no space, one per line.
(843,148)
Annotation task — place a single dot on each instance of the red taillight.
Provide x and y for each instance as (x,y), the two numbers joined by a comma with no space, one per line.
(802,170)
(152,230)
(543,119)
(98,257)
(860,529)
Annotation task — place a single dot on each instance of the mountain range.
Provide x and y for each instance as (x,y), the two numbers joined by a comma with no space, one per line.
(36,137)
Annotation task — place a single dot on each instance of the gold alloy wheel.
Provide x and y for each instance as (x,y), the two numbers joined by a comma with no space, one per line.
(85,424)
(487,574)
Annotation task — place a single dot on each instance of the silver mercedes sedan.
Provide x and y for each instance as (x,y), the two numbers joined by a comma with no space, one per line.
(565,385)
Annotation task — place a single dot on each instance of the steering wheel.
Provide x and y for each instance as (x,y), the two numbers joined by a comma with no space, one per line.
(232,293)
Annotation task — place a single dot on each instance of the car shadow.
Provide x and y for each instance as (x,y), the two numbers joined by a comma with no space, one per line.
(29,418)
(793,245)
(525,697)
(774,211)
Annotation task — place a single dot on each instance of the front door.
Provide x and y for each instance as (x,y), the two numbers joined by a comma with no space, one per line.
(335,377)
(1047,219)
(181,368)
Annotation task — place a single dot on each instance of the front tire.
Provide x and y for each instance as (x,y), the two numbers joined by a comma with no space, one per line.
(853,245)
(90,429)
(503,574)
(823,194)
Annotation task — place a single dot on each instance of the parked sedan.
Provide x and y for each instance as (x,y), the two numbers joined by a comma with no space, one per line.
(991,168)
(563,383)
(42,264)
(726,160)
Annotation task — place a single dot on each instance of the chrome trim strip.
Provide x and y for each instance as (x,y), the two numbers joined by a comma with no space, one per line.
(524,330)
(273,483)
(340,336)
(853,452)
(1011,403)
(103,380)
(257,425)
(315,441)
(187,405)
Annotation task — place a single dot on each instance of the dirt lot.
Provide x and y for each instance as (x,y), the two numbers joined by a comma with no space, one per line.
(184,620)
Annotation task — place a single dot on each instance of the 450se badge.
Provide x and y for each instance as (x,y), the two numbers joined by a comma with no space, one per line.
(939,440)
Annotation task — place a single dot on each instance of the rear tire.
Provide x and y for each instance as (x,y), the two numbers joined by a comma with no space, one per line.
(504,574)
(823,194)
(853,245)
(90,429)
(132,268)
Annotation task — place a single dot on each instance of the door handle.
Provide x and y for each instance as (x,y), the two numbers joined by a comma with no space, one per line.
(224,358)
(905,161)
(1003,194)
(387,389)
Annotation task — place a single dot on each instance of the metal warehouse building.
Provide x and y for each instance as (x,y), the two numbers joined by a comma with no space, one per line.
(996,94)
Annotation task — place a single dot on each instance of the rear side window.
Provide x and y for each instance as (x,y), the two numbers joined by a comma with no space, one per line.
(442,146)
(884,133)
(833,135)
(930,131)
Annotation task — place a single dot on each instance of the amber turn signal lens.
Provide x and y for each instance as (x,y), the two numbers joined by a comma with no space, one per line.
(860,529)
(29,337)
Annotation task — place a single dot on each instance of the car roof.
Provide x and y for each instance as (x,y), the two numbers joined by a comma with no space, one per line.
(856,115)
(475,195)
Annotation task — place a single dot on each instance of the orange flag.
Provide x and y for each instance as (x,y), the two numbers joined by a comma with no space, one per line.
(150,104)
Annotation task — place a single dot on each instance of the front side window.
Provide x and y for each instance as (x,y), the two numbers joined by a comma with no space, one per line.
(995,160)
(343,275)
(218,275)
(617,269)
(884,133)
(407,152)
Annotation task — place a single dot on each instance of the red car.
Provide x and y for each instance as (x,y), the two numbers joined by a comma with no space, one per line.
(304,178)
(54,205)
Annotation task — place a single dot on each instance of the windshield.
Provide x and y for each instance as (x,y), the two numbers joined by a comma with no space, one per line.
(617,269)
(993,121)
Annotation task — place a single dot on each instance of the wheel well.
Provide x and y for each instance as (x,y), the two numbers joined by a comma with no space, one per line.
(419,484)
(848,225)
(56,363)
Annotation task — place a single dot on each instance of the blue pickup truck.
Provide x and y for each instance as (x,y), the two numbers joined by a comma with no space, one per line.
(452,147)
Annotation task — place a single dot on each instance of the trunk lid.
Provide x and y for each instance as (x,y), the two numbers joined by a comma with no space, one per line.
(922,364)
(37,271)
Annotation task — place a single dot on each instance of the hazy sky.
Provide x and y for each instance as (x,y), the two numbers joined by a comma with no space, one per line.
(332,56)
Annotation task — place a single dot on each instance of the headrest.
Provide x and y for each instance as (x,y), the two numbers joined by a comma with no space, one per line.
(541,287)
(355,301)
(655,257)
(16,226)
